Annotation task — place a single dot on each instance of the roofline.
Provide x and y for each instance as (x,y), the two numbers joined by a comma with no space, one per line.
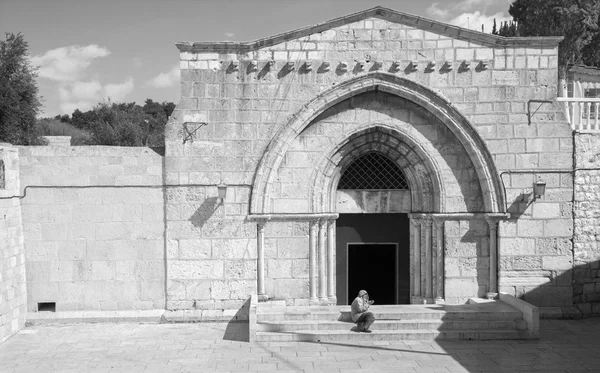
(378,12)
(585,70)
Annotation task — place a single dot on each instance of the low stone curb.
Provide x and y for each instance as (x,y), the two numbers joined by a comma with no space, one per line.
(80,317)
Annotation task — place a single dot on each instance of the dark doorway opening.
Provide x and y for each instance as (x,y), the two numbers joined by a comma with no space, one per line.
(383,240)
(373,267)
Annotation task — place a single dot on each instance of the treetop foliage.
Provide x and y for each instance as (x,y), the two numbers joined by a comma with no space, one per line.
(19,100)
(577,20)
(123,124)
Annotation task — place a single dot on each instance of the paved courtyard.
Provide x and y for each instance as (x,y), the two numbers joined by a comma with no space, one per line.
(565,346)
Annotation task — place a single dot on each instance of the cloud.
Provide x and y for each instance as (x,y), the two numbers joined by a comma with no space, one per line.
(84,95)
(468,14)
(166,79)
(434,11)
(117,92)
(229,34)
(476,19)
(446,11)
(66,64)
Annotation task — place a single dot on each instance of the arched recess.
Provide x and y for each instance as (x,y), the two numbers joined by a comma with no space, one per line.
(427,188)
(465,132)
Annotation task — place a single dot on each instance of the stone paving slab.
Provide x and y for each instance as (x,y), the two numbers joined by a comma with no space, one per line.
(565,346)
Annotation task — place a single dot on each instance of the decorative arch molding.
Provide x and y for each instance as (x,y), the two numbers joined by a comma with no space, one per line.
(422,171)
(443,110)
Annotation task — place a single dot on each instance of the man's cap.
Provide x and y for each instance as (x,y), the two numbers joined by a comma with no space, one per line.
(362,293)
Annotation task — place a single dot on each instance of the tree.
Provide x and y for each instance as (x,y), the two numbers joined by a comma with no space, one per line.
(123,124)
(577,20)
(58,127)
(508,29)
(19,100)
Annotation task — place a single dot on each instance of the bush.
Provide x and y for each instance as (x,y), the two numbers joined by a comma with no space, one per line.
(54,127)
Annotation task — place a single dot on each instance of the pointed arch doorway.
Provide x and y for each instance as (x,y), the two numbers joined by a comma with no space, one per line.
(373,242)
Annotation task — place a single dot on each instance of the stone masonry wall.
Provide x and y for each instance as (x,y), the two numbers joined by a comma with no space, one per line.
(98,245)
(232,103)
(466,260)
(290,190)
(211,249)
(13,290)
(586,239)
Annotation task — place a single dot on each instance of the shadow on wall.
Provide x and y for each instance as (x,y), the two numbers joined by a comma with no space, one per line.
(566,294)
(544,275)
(520,205)
(586,288)
(237,328)
(477,236)
(205,211)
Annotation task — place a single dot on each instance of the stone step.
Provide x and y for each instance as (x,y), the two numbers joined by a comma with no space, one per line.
(385,314)
(387,335)
(424,325)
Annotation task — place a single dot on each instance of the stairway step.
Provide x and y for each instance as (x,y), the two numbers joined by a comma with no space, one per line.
(418,324)
(383,335)
(386,315)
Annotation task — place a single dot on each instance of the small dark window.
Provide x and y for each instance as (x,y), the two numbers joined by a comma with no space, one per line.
(48,307)
(373,171)
(2,175)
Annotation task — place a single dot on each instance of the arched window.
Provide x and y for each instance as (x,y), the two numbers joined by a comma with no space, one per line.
(373,171)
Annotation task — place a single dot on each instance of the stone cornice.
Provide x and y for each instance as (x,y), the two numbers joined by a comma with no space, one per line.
(381,13)
(460,215)
(292,217)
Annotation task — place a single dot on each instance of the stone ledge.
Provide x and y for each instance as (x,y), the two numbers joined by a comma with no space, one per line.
(194,316)
(80,317)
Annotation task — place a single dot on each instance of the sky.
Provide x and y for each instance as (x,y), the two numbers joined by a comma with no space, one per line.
(91,50)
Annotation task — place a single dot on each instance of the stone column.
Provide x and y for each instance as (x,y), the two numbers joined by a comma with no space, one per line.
(493,256)
(322,262)
(416,249)
(439,236)
(332,299)
(428,262)
(312,261)
(260,264)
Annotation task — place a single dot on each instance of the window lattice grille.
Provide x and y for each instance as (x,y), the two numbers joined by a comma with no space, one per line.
(373,171)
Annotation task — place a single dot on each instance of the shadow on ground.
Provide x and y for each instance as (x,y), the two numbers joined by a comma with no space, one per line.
(237,328)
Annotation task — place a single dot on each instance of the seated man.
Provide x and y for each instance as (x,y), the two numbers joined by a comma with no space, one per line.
(359,312)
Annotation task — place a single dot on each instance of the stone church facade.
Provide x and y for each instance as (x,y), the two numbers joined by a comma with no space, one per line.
(379,150)
(282,118)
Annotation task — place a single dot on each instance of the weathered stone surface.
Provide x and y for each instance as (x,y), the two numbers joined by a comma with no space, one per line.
(98,238)
(13,294)
(195,269)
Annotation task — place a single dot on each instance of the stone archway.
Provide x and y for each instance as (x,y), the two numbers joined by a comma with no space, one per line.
(405,147)
(463,130)
(421,170)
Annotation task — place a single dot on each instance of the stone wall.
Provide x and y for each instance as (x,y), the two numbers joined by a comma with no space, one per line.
(92,241)
(536,257)
(466,260)
(211,249)
(13,295)
(234,103)
(586,239)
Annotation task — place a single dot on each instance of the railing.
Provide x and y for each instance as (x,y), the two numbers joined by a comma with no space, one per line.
(582,113)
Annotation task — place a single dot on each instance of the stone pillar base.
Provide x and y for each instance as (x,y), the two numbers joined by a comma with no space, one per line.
(440,300)
(263,298)
(332,301)
(416,300)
